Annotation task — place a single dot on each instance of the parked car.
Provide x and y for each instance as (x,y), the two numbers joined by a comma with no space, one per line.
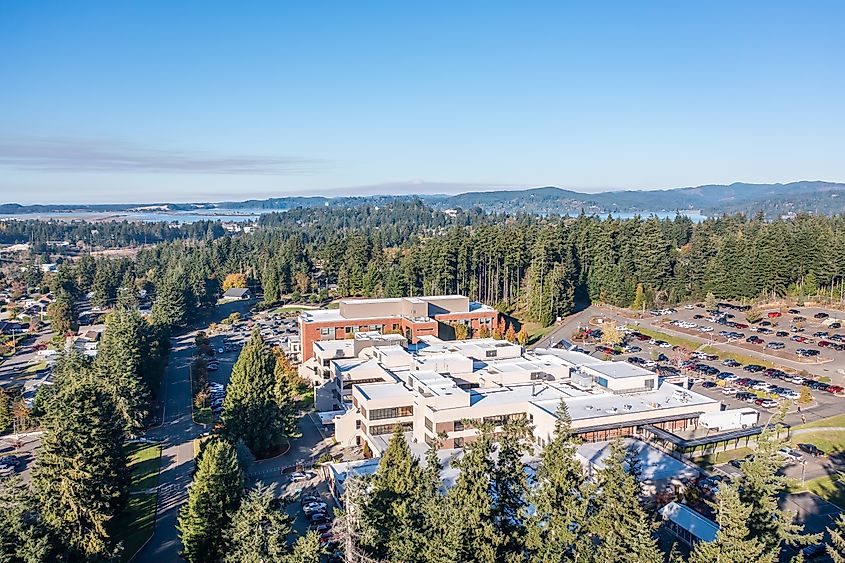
(731,363)
(790,454)
(821,316)
(708,384)
(814,551)
(811,449)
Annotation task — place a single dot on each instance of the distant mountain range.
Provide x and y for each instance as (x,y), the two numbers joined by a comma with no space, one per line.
(773,200)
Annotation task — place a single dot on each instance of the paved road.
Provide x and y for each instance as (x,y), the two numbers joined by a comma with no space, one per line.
(177,433)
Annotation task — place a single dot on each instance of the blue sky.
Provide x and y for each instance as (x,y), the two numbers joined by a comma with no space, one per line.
(150,100)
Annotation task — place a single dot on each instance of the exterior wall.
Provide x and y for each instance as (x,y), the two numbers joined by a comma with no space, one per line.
(311,332)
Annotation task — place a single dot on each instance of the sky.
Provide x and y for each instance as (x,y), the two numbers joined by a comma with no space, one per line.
(161,100)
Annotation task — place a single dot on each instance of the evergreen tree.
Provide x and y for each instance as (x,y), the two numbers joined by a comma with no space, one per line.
(23,536)
(6,416)
(560,496)
(509,487)
(81,478)
(619,523)
(761,488)
(307,549)
(258,531)
(120,362)
(392,511)
(285,383)
(169,307)
(250,411)
(62,313)
(470,505)
(212,501)
(836,547)
(734,542)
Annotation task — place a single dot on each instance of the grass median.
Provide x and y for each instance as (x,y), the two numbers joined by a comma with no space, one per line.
(830,487)
(704,347)
(135,524)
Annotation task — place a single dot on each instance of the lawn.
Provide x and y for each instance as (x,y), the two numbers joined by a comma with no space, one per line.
(838,420)
(710,460)
(828,441)
(537,332)
(830,487)
(135,525)
(36,367)
(203,415)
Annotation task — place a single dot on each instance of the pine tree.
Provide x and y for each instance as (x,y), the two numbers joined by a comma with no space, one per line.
(836,547)
(23,536)
(169,307)
(306,549)
(761,488)
(258,531)
(710,301)
(81,478)
(392,511)
(285,389)
(212,501)
(62,313)
(120,362)
(560,496)
(620,523)
(509,487)
(250,411)
(5,410)
(470,506)
(734,542)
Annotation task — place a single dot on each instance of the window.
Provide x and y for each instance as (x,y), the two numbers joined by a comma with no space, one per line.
(428,425)
(396,327)
(326,331)
(458,442)
(649,384)
(430,441)
(350,384)
(396,412)
(357,425)
(348,329)
(381,429)
(459,425)
(377,328)
(500,419)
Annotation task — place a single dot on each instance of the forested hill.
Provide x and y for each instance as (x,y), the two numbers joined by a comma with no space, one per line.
(774,200)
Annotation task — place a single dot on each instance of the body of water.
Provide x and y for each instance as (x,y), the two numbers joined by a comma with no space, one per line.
(228,215)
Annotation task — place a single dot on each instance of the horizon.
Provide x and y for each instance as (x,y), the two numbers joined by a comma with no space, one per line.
(343,192)
(198,101)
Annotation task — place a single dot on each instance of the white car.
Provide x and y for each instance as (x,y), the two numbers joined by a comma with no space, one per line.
(790,454)
(688,306)
(762,387)
(730,391)
(665,345)
(705,329)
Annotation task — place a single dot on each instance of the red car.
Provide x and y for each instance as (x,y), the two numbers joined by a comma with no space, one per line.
(824,343)
(835,389)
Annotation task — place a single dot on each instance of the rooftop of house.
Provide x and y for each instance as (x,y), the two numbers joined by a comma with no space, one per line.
(236,292)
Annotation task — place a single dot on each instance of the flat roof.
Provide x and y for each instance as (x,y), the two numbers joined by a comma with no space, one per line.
(384,390)
(599,405)
(619,370)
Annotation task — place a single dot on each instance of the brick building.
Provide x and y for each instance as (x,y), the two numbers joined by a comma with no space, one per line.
(411,317)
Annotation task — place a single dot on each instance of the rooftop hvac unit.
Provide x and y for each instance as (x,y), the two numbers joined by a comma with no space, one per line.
(628,407)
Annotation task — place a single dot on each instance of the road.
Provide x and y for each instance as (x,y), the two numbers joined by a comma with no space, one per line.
(178,431)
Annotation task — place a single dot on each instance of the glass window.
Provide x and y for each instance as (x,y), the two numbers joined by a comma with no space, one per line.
(396,412)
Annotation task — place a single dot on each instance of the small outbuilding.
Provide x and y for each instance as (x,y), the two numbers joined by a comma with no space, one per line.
(237,293)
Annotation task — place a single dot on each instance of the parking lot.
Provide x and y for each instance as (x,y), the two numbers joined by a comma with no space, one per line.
(800,338)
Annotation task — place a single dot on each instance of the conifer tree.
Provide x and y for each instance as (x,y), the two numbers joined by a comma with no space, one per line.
(761,488)
(62,313)
(734,542)
(213,499)
(509,487)
(836,547)
(470,505)
(120,363)
(81,477)
(285,390)
(169,307)
(306,549)
(560,496)
(620,523)
(250,411)
(392,511)
(259,530)
(23,536)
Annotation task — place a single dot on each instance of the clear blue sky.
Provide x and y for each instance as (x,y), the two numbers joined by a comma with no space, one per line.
(149,100)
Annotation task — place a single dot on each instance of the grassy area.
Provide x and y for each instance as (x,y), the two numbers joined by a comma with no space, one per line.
(35,367)
(830,487)
(722,457)
(830,442)
(203,415)
(706,348)
(135,524)
(838,420)
(537,332)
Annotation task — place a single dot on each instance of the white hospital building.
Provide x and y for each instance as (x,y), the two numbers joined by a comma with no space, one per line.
(368,384)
